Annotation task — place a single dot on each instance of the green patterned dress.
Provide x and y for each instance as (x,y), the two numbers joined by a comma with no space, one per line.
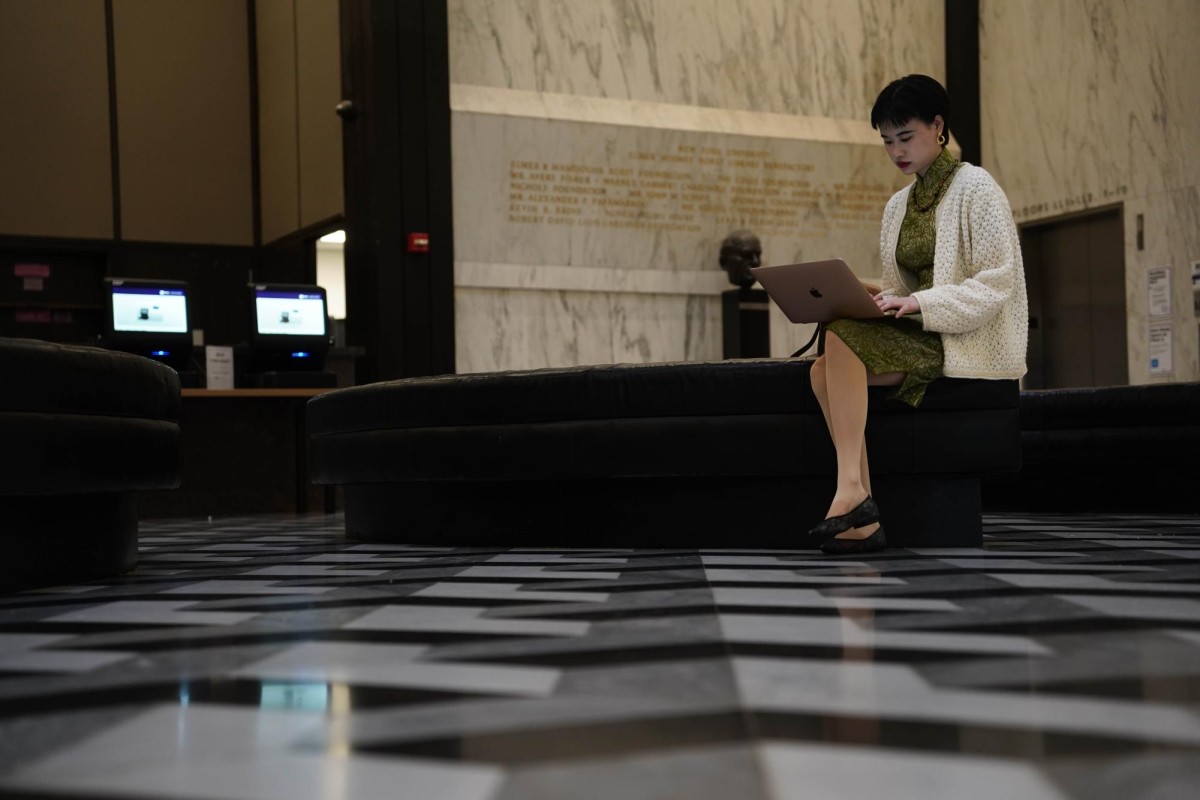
(903,345)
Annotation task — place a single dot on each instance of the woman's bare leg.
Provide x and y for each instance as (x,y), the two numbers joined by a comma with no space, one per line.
(846,415)
(821,390)
(848,424)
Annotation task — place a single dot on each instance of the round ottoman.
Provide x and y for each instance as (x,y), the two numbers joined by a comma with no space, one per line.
(83,430)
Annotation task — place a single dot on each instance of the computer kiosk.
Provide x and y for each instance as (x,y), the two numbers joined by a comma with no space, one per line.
(150,318)
(289,339)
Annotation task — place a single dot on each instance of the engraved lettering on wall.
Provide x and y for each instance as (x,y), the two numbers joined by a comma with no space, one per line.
(691,189)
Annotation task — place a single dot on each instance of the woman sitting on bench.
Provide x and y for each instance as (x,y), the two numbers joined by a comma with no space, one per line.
(954,288)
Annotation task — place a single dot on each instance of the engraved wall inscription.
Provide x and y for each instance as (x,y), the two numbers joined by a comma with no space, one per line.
(692,189)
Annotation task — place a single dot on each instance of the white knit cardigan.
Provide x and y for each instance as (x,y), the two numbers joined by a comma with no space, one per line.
(978,301)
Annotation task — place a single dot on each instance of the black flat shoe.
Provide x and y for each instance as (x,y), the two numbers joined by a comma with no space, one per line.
(840,547)
(863,514)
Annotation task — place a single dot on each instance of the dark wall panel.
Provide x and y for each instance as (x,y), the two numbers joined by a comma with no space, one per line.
(318,90)
(275,25)
(400,303)
(183,109)
(55,153)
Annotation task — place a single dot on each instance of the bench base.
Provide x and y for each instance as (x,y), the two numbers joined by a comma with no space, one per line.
(57,539)
(711,512)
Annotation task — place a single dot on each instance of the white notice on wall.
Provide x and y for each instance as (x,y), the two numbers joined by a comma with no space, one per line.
(1158,288)
(218,366)
(1162,347)
(1196,288)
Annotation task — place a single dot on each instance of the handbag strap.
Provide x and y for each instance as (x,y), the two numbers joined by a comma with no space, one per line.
(809,343)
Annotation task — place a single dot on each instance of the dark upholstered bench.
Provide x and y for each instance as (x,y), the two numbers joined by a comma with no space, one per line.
(1115,448)
(725,454)
(83,429)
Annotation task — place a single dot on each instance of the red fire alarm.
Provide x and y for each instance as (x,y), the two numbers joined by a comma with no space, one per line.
(418,243)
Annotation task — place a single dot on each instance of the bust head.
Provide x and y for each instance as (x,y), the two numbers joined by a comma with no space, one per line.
(740,251)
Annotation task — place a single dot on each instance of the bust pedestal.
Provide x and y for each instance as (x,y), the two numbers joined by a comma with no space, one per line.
(744,322)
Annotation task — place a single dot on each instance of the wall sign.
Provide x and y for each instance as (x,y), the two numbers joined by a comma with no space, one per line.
(31,270)
(1162,347)
(1196,288)
(1158,291)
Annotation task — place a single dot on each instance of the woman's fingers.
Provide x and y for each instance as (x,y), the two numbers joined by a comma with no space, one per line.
(899,305)
(907,305)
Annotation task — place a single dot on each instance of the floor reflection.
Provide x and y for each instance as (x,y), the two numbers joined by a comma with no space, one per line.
(854,621)
(1060,661)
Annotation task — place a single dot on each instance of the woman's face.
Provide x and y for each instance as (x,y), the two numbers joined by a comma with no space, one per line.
(912,146)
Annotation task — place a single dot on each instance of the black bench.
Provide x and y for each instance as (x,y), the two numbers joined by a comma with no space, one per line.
(83,429)
(1114,448)
(725,454)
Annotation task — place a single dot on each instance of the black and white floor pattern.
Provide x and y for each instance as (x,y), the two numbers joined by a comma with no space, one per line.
(269,657)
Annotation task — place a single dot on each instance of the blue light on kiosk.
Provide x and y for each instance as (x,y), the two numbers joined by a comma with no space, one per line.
(301,354)
(160,352)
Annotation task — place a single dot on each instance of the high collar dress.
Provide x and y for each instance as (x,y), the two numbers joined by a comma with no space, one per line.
(903,345)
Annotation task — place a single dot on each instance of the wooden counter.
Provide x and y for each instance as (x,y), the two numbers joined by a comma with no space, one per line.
(244,451)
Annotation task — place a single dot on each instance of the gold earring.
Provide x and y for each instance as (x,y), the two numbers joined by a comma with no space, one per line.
(941,139)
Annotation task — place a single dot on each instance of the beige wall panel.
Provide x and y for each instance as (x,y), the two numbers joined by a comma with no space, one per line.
(319,75)
(183,114)
(1087,105)
(278,159)
(55,157)
(822,58)
(602,151)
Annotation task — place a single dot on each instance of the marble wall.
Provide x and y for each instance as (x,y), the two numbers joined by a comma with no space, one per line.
(602,151)
(1091,103)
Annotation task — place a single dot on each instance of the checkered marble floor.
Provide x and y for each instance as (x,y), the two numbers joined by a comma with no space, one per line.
(269,657)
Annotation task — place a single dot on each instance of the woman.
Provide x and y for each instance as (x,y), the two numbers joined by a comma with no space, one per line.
(953,286)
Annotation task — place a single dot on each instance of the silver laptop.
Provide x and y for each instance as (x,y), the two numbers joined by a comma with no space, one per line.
(817,291)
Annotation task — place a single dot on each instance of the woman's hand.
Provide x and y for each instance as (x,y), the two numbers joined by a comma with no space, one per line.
(899,305)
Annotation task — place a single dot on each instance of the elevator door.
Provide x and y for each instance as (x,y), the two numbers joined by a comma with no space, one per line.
(1075,271)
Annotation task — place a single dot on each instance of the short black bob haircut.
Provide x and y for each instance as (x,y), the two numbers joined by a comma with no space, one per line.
(911,97)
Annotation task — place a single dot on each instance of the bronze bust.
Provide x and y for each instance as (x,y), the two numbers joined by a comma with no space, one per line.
(740,251)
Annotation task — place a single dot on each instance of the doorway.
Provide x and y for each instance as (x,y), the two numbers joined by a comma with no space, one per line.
(1075,272)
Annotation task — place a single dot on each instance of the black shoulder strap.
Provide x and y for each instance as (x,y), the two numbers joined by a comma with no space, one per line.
(808,344)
